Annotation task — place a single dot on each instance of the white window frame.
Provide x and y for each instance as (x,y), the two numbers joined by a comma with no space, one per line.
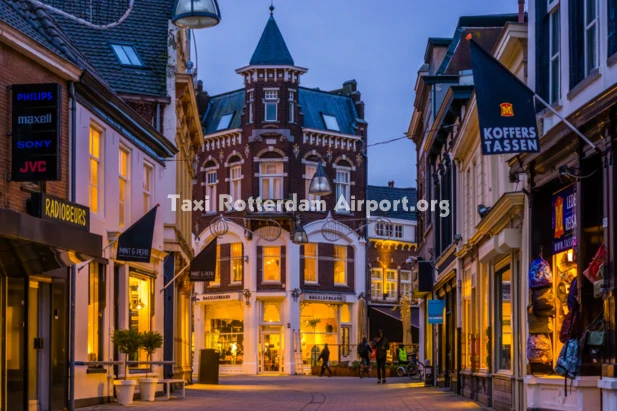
(271,98)
(554,56)
(277,176)
(376,281)
(263,263)
(236,260)
(95,185)
(292,106)
(391,284)
(251,100)
(405,284)
(344,260)
(235,183)
(211,189)
(593,24)
(343,188)
(123,179)
(398,231)
(148,186)
(316,259)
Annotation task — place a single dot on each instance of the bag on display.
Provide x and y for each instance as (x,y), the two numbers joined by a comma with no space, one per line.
(539,349)
(540,274)
(543,299)
(570,327)
(573,296)
(569,362)
(597,286)
(594,267)
(540,325)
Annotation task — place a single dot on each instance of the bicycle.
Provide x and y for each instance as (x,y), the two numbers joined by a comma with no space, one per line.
(414,369)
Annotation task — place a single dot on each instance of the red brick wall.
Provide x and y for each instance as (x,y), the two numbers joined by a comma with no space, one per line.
(18,69)
(387,258)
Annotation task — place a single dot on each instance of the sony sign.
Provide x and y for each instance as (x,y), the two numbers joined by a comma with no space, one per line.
(36,132)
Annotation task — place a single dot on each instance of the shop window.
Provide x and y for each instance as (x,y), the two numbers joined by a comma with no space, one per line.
(148,174)
(96,311)
(310,263)
(271,312)
(140,308)
(391,280)
(224,331)
(376,284)
(340,265)
(272,264)
(466,330)
(345,346)
(94,174)
(124,192)
(345,314)
(319,326)
(503,323)
(405,282)
(237,263)
(485,327)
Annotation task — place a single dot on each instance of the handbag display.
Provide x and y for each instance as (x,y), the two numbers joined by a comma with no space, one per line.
(539,349)
(543,299)
(597,286)
(573,296)
(569,362)
(595,338)
(570,327)
(540,325)
(540,274)
(594,267)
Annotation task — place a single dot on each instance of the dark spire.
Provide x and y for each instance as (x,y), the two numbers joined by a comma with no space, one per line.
(271,49)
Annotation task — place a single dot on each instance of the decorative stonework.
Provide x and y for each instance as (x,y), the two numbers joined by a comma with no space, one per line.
(296,150)
(247,151)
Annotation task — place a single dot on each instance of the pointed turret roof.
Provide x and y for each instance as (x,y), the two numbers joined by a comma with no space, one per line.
(271,49)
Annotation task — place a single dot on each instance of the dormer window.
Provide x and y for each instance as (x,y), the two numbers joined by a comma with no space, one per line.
(331,122)
(225,122)
(127,55)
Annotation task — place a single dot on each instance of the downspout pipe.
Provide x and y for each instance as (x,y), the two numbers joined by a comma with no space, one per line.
(73,196)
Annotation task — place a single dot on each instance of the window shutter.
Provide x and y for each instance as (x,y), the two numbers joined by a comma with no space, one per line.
(283,265)
(576,14)
(260,264)
(350,266)
(225,263)
(612,27)
(542,50)
(301,265)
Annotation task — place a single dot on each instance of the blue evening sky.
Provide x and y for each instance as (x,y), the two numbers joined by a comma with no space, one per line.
(381,44)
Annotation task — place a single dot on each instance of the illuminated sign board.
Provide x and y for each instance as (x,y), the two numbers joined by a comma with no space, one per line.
(35,154)
(55,209)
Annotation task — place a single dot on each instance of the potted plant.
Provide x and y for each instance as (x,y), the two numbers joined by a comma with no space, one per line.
(150,342)
(127,342)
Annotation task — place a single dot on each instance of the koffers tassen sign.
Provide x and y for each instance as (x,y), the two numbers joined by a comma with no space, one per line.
(36,132)
(55,209)
(564,219)
(506,109)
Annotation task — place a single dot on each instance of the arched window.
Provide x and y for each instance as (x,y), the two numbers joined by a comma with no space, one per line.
(210,183)
(271,176)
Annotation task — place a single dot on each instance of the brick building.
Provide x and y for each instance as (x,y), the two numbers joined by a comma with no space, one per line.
(281,301)
(391,241)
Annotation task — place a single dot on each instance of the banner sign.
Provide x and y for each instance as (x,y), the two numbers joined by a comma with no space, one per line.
(213,298)
(564,219)
(506,109)
(328,298)
(135,243)
(55,209)
(435,311)
(203,266)
(36,121)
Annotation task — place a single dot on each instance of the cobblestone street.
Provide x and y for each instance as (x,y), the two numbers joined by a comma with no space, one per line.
(307,393)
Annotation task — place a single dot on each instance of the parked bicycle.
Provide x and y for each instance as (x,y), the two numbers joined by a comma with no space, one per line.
(413,369)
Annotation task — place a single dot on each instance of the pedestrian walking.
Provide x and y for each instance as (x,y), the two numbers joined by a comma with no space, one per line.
(325,361)
(364,352)
(382,346)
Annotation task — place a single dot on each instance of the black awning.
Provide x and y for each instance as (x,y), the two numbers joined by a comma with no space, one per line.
(388,320)
(30,245)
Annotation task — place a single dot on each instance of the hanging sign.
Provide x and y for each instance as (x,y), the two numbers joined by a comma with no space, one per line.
(36,120)
(506,109)
(55,209)
(435,311)
(135,243)
(564,219)
(203,266)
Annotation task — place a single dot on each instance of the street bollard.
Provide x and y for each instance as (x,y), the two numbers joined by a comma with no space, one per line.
(428,373)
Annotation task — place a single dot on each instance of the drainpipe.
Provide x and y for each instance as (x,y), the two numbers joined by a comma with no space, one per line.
(521,11)
(73,137)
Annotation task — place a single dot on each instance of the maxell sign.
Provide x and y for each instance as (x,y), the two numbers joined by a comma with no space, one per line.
(36,134)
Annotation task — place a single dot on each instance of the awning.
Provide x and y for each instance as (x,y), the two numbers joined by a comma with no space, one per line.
(389,320)
(30,245)
(396,314)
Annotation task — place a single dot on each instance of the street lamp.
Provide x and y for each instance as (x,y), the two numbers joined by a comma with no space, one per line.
(196,14)
(300,236)
(320,185)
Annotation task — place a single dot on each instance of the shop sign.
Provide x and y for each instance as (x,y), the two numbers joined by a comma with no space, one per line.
(564,219)
(435,311)
(36,121)
(202,298)
(135,243)
(203,266)
(327,298)
(506,109)
(55,209)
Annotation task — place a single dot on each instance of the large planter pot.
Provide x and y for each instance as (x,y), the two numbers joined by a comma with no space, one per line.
(125,389)
(147,388)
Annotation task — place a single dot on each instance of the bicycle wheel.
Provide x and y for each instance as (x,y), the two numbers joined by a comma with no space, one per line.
(400,371)
(419,374)
(411,369)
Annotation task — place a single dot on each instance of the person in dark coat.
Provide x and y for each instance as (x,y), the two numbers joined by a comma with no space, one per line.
(325,361)
(382,346)
(364,352)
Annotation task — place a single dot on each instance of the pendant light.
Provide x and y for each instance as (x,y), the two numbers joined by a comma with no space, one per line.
(300,236)
(196,14)
(320,185)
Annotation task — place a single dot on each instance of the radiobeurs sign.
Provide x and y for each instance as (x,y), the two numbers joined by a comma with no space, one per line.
(36,132)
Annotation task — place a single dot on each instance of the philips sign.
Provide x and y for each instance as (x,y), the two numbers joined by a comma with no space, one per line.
(36,132)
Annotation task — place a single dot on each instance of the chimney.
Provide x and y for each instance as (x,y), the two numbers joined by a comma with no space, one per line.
(521,11)
(203,99)
(391,184)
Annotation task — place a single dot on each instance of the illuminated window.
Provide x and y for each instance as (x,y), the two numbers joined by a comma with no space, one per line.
(235,183)
(237,263)
(271,312)
(503,326)
(466,331)
(94,170)
(123,172)
(484,325)
(96,310)
(310,263)
(271,180)
(376,283)
(211,182)
(147,187)
(272,264)
(217,270)
(340,265)
(140,307)
(405,283)
(391,281)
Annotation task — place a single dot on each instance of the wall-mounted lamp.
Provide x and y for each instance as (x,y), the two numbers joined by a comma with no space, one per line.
(295,294)
(300,236)
(246,258)
(247,296)
(483,210)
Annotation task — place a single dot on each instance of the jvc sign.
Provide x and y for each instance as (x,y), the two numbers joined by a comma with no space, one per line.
(36,132)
